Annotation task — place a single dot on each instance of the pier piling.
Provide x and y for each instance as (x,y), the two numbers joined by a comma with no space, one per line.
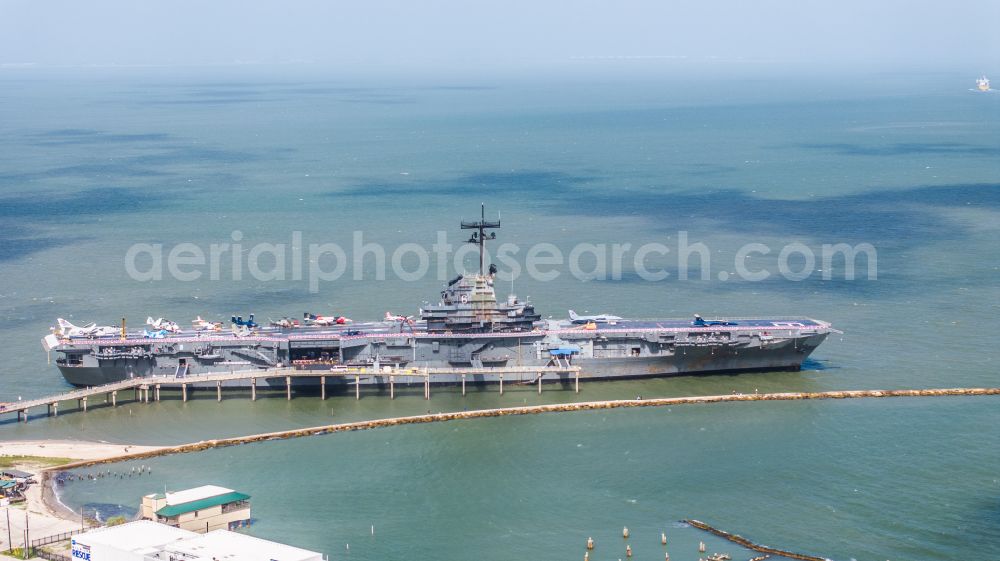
(322,387)
(253,389)
(141,387)
(357,386)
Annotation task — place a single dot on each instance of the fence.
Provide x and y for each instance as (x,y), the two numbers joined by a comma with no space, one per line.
(49,556)
(56,538)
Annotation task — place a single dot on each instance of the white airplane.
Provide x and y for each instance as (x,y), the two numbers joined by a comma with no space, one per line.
(284,323)
(599,318)
(389,316)
(241,330)
(205,325)
(311,319)
(163,325)
(67,329)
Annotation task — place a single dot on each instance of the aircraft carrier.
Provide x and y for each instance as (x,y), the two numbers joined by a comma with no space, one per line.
(469,329)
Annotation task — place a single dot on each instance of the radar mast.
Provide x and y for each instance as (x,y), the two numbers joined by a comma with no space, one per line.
(479,236)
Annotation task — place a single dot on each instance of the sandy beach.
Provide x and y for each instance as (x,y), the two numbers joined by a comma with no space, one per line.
(42,512)
(75,449)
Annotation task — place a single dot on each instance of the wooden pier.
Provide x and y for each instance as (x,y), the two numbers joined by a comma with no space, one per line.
(146,389)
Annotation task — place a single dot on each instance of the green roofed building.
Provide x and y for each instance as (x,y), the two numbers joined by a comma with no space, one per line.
(201,509)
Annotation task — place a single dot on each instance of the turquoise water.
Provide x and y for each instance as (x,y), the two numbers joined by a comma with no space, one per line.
(91,163)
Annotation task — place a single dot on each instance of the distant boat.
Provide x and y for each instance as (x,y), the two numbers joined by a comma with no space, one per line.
(983,83)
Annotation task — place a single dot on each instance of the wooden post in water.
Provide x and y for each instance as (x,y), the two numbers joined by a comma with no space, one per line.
(157,392)
(253,389)
(22,414)
(427,384)
(288,388)
(576,381)
(184,393)
(54,409)
(322,387)
(135,393)
(357,386)
(501,383)
(539,383)
(463,384)
(114,398)
(392,387)
(218,391)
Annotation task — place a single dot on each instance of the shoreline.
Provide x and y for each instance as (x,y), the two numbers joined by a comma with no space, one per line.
(50,501)
(43,499)
(43,507)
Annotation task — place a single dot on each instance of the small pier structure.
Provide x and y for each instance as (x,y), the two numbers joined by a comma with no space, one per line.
(147,389)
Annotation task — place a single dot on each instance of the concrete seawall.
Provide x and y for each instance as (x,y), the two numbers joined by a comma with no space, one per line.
(529,410)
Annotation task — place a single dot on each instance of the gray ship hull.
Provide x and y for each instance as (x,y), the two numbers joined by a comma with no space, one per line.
(653,359)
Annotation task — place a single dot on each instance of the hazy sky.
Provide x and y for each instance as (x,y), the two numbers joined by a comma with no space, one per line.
(447,34)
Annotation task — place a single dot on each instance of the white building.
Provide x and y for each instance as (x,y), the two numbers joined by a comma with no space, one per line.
(145,540)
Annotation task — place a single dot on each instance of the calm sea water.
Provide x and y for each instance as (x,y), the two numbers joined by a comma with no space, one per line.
(91,163)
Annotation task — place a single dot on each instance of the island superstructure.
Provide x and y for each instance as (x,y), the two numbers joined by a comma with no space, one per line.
(467,330)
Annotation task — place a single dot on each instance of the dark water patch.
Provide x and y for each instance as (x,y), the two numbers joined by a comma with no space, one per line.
(860,287)
(96,201)
(63,133)
(380,100)
(479,184)
(706,169)
(898,216)
(208,101)
(906,149)
(226,93)
(37,310)
(103,170)
(61,137)
(242,302)
(103,511)
(463,88)
(14,247)
(199,155)
(23,213)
